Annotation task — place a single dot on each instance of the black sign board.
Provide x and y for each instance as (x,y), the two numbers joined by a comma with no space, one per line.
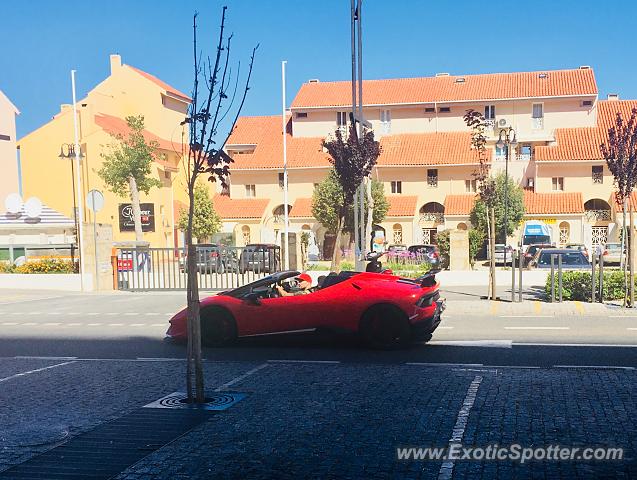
(127,222)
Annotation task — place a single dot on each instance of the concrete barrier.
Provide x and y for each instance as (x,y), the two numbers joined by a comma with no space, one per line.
(45,281)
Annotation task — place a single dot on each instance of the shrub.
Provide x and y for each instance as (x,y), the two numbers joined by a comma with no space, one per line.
(576,285)
(348,266)
(442,240)
(6,267)
(46,265)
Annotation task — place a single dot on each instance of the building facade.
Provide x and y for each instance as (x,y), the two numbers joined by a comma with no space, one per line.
(427,164)
(101,116)
(9,181)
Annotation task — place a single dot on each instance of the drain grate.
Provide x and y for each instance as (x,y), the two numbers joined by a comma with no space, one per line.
(111,447)
(216,401)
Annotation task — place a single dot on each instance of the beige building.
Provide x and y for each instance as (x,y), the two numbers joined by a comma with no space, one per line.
(426,164)
(101,115)
(9,181)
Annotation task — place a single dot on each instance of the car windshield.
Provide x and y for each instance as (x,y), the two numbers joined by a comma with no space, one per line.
(529,239)
(568,258)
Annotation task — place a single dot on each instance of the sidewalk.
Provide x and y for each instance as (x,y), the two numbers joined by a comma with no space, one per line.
(535,308)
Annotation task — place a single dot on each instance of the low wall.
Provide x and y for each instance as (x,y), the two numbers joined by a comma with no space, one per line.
(45,281)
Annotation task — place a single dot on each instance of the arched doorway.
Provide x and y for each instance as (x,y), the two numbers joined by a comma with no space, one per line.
(432,214)
(598,214)
(397,237)
(245,234)
(565,233)
(462,226)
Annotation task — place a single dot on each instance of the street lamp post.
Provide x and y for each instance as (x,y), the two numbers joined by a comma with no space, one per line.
(506,139)
(70,155)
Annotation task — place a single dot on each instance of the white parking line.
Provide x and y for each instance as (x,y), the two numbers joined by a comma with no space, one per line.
(537,328)
(115,324)
(241,377)
(9,323)
(54,313)
(304,361)
(52,324)
(92,314)
(446,327)
(446,469)
(631,328)
(77,324)
(34,371)
(600,367)
(30,324)
(137,324)
(93,324)
(533,344)
(158,325)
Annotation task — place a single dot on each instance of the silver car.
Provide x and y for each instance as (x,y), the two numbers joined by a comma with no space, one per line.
(500,250)
(612,253)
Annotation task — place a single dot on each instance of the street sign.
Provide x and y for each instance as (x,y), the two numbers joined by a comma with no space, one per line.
(95,200)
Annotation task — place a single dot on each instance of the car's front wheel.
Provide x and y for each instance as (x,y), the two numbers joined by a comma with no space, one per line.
(385,327)
(218,327)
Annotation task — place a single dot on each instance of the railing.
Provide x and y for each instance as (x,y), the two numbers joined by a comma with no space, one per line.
(489,124)
(432,181)
(598,177)
(538,123)
(597,215)
(523,157)
(217,268)
(432,217)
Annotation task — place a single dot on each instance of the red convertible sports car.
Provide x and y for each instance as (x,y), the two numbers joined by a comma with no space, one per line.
(388,311)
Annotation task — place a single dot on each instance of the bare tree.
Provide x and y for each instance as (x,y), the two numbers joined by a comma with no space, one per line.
(353,160)
(486,185)
(621,157)
(212,103)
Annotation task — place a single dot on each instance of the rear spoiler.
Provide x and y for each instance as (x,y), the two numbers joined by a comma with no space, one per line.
(429,278)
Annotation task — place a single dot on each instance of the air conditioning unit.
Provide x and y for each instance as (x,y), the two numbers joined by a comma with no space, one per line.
(503,123)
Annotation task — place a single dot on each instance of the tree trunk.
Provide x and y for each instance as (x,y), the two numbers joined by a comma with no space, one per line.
(631,261)
(492,256)
(370,215)
(194,323)
(137,211)
(622,257)
(488,218)
(336,254)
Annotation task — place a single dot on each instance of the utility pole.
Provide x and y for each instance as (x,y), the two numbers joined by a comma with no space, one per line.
(286,230)
(78,172)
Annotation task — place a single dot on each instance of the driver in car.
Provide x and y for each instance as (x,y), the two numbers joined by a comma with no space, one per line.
(305,285)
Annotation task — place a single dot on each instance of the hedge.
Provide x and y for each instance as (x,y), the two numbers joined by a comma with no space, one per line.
(577,285)
(46,265)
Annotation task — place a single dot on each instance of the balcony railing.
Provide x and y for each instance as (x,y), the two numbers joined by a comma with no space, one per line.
(435,217)
(523,157)
(598,177)
(432,181)
(597,215)
(538,123)
(489,124)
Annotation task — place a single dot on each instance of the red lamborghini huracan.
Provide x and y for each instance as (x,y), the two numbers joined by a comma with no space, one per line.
(388,311)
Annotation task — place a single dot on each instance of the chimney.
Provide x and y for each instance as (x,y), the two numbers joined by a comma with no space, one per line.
(116,62)
(612,97)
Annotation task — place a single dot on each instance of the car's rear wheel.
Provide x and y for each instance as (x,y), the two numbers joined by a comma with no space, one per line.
(218,327)
(385,327)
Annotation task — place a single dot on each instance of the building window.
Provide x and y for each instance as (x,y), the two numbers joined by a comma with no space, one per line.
(525,153)
(301,115)
(281,181)
(251,191)
(5,137)
(598,174)
(385,120)
(430,110)
(341,119)
(245,234)
(489,112)
(500,153)
(587,103)
(538,116)
(396,187)
(558,183)
(398,234)
(471,186)
(444,109)
(432,177)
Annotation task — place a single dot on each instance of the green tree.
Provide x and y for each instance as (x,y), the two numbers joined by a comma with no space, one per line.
(127,167)
(205,221)
(328,202)
(515,209)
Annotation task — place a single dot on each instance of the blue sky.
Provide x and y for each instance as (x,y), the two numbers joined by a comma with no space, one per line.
(42,40)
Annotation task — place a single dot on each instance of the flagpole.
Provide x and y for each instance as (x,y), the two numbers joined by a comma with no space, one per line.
(78,177)
(285,173)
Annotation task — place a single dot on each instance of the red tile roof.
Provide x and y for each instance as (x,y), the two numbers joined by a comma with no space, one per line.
(118,126)
(447,89)
(583,143)
(442,148)
(228,207)
(459,204)
(406,149)
(160,83)
(553,203)
(302,208)
(402,205)
(265,133)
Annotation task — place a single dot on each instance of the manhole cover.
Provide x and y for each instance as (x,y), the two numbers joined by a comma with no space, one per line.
(214,401)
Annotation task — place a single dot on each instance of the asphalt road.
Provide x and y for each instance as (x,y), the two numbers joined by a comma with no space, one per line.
(132,325)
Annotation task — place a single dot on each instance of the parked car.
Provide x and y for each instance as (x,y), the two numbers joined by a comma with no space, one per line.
(427,253)
(612,253)
(571,259)
(531,250)
(213,258)
(396,249)
(385,310)
(260,258)
(500,250)
(578,246)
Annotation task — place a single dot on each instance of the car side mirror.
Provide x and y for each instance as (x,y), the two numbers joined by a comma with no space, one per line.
(252,298)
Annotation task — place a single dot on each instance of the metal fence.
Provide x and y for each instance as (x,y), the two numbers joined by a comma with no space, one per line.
(218,268)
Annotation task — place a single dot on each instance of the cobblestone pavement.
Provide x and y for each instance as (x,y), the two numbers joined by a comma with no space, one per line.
(331,420)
